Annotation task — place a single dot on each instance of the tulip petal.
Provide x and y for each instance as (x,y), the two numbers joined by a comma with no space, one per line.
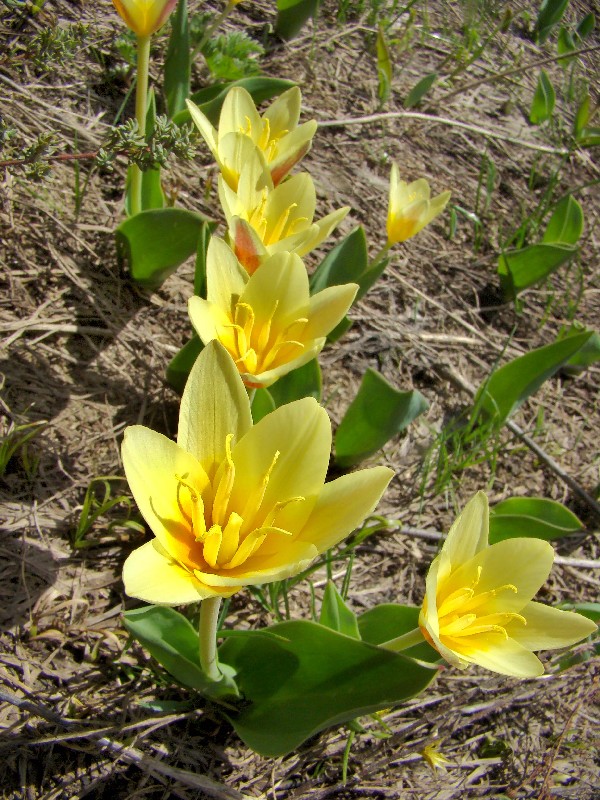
(239,115)
(209,134)
(343,504)
(152,465)
(248,247)
(289,559)
(284,112)
(225,276)
(278,288)
(325,226)
(502,655)
(327,308)
(207,318)
(470,531)
(298,194)
(291,148)
(300,432)
(269,376)
(150,575)
(548,627)
(214,405)
(235,151)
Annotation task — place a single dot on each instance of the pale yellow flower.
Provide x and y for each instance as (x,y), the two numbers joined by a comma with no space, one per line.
(264,220)
(410,207)
(144,17)
(478,607)
(268,322)
(435,759)
(232,504)
(280,141)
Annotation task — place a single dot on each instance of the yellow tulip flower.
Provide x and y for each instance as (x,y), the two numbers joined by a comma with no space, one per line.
(144,17)
(232,504)
(410,207)
(268,322)
(276,134)
(264,220)
(478,607)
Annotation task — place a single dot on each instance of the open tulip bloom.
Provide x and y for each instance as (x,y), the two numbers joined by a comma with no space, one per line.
(478,607)
(411,207)
(276,134)
(268,322)
(264,219)
(144,17)
(232,504)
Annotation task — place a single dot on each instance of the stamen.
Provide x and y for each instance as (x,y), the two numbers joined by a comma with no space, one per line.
(279,506)
(231,537)
(212,545)
(455,601)
(255,499)
(197,521)
(278,229)
(223,492)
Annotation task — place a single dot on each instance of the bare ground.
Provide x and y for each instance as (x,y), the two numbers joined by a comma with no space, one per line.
(84,351)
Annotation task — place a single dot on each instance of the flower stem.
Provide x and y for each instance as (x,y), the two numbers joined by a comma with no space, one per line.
(405,641)
(209,617)
(380,256)
(141,93)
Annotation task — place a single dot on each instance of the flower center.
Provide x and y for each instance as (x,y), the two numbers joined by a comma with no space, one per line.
(258,344)
(225,537)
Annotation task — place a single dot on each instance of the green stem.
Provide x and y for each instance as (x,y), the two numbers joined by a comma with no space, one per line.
(209,619)
(210,29)
(380,256)
(141,94)
(405,641)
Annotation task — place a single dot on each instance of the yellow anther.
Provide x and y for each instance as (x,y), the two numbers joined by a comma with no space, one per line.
(225,485)
(278,229)
(279,506)
(254,501)
(455,601)
(197,521)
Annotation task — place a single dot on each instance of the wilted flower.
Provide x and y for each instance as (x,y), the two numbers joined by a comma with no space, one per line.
(264,220)
(410,207)
(232,504)
(144,17)
(478,607)
(268,322)
(276,134)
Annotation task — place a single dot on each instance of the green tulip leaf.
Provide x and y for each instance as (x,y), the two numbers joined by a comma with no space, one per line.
(211,99)
(346,263)
(582,116)
(519,269)
(200,267)
(262,404)
(177,61)
(306,381)
(315,679)
(336,615)
(390,620)
(419,90)
(378,412)
(535,517)
(510,385)
(292,15)
(180,365)
(542,105)
(384,66)
(586,26)
(566,223)
(172,640)
(550,14)
(586,356)
(154,243)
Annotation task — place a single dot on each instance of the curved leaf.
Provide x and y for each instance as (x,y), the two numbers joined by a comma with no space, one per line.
(292,15)
(535,517)
(390,620)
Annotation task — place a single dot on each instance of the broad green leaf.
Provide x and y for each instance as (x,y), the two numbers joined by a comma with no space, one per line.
(519,269)
(582,117)
(384,66)
(378,412)
(589,137)
(181,364)
(262,404)
(200,268)
(586,26)
(348,262)
(211,99)
(315,679)
(419,90)
(587,355)
(152,193)
(564,45)
(336,615)
(510,385)
(535,517)
(305,381)
(566,223)
(550,14)
(177,61)
(154,243)
(543,101)
(390,620)
(292,15)
(172,640)
(340,329)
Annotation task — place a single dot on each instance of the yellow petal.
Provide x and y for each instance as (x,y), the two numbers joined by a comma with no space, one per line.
(225,277)
(150,575)
(207,318)
(239,115)
(281,283)
(290,559)
(470,531)
(327,308)
(301,433)
(291,148)
(214,405)
(505,656)
(205,127)
(143,17)
(548,628)
(269,376)
(343,505)
(325,226)
(235,151)
(297,193)
(152,465)
(284,112)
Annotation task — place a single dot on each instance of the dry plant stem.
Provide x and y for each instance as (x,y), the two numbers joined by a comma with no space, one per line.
(463,384)
(332,123)
(141,92)
(209,616)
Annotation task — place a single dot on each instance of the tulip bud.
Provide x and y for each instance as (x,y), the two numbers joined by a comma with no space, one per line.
(144,17)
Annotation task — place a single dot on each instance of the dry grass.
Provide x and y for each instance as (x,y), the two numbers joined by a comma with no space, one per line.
(85,351)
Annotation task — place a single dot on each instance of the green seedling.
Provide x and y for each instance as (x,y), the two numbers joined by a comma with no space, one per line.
(98,502)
